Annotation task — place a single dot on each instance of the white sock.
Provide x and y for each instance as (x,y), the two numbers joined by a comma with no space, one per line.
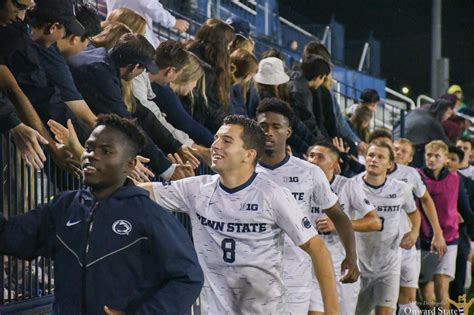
(410,308)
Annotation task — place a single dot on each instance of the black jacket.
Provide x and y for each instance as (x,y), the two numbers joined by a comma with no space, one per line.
(125,252)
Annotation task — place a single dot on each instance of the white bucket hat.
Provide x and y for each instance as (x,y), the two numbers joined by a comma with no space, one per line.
(271,72)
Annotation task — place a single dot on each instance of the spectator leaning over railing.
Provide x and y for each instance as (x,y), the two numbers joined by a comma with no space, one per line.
(425,125)
(168,99)
(129,57)
(324,92)
(54,63)
(147,265)
(18,55)
(152,11)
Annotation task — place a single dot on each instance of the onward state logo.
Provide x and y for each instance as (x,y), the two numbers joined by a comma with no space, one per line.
(122,227)
(305,222)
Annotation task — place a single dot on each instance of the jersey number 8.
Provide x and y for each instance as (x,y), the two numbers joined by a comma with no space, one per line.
(228,248)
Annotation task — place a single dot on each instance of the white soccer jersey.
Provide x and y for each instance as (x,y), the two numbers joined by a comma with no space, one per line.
(310,188)
(410,176)
(238,235)
(379,252)
(354,203)
(467,171)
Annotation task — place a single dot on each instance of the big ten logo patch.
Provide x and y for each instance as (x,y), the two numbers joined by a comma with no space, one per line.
(249,207)
(291,179)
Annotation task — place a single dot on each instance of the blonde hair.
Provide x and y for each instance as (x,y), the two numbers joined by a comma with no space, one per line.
(193,71)
(132,19)
(241,42)
(243,63)
(407,142)
(127,96)
(111,32)
(437,145)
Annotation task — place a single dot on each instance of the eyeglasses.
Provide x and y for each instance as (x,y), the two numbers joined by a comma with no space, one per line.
(20,6)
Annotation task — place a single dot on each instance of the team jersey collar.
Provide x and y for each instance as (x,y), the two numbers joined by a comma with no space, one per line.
(240,187)
(393,170)
(332,179)
(275,166)
(374,187)
(444,172)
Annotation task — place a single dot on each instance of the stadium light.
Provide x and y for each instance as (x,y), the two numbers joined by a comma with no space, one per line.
(405,90)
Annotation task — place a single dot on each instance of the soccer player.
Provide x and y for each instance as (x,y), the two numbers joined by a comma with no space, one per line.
(379,252)
(411,258)
(239,219)
(310,188)
(114,250)
(356,205)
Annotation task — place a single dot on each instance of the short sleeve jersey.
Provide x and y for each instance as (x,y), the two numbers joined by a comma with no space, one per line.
(238,234)
(353,201)
(310,188)
(379,252)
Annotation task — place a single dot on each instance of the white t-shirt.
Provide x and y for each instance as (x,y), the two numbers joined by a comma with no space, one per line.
(467,171)
(238,234)
(379,252)
(354,203)
(310,188)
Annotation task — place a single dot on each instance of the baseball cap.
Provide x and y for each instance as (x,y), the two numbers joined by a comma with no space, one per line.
(271,72)
(454,89)
(62,11)
(241,27)
(369,96)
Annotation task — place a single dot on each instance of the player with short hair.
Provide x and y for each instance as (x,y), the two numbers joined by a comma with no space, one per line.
(114,250)
(355,204)
(411,258)
(379,252)
(404,151)
(239,219)
(311,190)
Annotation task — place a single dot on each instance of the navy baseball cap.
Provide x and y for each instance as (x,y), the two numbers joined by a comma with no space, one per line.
(369,96)
(241,27)
(62,11)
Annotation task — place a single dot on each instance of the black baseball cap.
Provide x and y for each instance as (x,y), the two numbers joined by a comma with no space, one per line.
(369,96)
(62,11)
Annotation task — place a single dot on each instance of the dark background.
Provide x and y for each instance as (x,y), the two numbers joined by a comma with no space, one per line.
(404,30)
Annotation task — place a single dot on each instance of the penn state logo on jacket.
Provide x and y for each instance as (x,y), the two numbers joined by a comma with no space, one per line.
(122,227)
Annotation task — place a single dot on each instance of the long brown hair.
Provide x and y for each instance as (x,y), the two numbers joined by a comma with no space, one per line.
(211,44)
(361,115)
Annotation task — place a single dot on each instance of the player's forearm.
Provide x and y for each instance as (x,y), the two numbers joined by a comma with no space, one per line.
(344,229)
(369,223)
(415,220)
(431,214)
(323,269)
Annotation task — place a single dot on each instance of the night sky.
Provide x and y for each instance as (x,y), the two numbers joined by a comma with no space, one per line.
(404,29)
